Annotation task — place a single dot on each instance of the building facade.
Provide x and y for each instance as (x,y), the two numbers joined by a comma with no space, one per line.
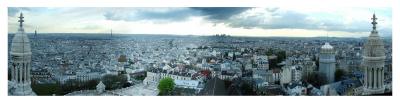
(155,75)
(291,74)
(261,61)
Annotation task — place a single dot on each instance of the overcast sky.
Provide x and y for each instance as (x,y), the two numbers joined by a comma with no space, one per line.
(237,21)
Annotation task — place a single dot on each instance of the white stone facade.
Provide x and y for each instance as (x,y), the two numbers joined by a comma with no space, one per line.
(290,73)
(373,62)
(153,77)
(21,63)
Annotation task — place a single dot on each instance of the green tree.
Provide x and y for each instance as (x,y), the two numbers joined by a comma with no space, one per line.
(47,89)
(339,74)
(114,81)
(166,86)
(92,84)
(316,59)
(269,52)
(247,89)
(316,79)
(70,86)
(281,55)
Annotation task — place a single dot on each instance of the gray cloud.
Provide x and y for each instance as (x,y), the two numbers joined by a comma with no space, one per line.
(13,11)
(91,27)
(276,20)
(220,13)
(174,15)
(272,18)
(355,26)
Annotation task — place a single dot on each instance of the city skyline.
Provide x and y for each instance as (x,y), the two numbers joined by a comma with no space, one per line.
(234,21)
(191,65)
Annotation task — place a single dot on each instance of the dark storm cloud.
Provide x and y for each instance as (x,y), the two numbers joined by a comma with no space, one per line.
(220,13)
(173,15)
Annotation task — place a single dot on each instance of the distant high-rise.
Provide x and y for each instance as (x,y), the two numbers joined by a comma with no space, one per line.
(36,32)
(327,62)
(373,62)
(20,83)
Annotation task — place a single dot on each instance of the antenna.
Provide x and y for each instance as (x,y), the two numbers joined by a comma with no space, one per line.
(326,36)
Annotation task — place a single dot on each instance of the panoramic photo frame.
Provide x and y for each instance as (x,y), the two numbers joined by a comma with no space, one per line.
(199,51)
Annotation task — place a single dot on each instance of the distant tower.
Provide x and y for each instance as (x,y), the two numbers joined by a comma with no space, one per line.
(111,32)
(21,63)
(373,62)
(327,62)
(36,32)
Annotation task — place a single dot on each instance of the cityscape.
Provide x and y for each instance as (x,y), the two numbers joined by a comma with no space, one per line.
(113,62)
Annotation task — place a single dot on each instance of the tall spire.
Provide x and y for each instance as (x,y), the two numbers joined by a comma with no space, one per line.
(21,50)
(21,20)
(36,31)
(374,62)
(374,23)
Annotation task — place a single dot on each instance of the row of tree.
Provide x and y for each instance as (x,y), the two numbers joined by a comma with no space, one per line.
(110,81)
(281,56)
(62,89)
(318,79)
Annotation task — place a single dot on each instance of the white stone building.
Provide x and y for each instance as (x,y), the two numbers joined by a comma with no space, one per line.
(155,75)
(373,62)
(327,62)
(261,61)
(290,74)
(191,84)
(20,83)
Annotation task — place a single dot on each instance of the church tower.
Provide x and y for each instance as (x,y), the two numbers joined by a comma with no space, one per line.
(327,62)
(20,83)
(373,62)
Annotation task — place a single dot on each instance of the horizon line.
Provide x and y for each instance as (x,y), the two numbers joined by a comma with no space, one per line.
(205,35)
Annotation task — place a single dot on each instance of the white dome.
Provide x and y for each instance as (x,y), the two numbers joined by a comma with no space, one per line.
(20,44)
(374,46)
(327,46)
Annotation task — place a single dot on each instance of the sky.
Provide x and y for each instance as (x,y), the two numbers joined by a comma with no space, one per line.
(235,21)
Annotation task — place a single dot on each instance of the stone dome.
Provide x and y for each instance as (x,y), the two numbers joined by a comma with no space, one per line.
(327,46)
(20,44)
(374,46)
